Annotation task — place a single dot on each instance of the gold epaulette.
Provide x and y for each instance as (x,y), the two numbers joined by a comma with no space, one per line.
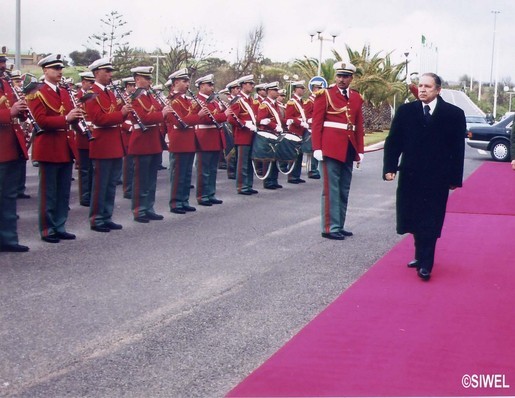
(30,97)
(262,105)
(290,102)
(3,99)
(256,102)
(320,92)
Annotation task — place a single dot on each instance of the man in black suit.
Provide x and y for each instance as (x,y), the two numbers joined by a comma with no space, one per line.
(428,133)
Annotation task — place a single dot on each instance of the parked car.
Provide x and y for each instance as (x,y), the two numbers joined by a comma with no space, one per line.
(495,139)
(476,120)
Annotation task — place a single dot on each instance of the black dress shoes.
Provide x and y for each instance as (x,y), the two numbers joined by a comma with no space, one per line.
(314,177)
(100,228)
(142,219)
(16,248)
(245,193)
(205,203)
(278,186)
(84,203)
(346,233)
(333,235)
(177,210)
(50,238)
(113,225)
(65,235)
(270,187)
(301,181)
(216,201)
(413,264)
(154,216)
(424,274)
(127,196)
(253,191)
(293,182)
(23,196)
(189,208)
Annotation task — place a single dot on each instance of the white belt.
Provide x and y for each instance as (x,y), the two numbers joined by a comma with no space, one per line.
(206,126)
(338,125)
(136,126)
(104,127)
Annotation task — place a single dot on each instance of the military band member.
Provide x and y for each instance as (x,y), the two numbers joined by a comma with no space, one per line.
(233,89)
(281,102)
(210,144)
(297,123)
(308,109)
(145,147)
(260,92)
(129,86)
(106,150)
(245,108)
(85,165)
(158,89)
(54,149)
(182,141)
(337,136)
(12,150)
(269,120)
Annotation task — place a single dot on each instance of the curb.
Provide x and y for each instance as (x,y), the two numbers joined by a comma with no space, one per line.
(374,147)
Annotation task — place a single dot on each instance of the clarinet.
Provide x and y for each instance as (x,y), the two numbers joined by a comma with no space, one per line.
(82,125)
(126,102)
(28,114)
(203,106)
(164,102)
(228,106)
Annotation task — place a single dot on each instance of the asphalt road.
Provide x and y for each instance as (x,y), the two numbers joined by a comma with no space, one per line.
(187,306)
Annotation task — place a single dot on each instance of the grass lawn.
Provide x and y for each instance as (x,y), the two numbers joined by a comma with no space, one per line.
(374,138)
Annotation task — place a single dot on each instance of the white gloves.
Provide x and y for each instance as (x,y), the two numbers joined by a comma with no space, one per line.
(360,161)
(304,124)
(251,126)
(265,122)
(288,122)
(278,129)
(317,154)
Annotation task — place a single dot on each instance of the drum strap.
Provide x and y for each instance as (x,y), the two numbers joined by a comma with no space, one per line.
(299,107)
(249,110)
(273,111)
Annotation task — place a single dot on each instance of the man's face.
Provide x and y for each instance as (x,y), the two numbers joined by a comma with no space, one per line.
(130,88)
(103,76)
(181,85)
(314,89)
(261,92)
(273,94)
(53,74)
(343,81)
(247,87)
(207,88)
(142,82)
(300,91)
(86,84)
(235,90)
(281,98)
(427,89)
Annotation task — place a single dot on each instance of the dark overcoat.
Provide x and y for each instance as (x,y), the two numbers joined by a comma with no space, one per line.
(431,161)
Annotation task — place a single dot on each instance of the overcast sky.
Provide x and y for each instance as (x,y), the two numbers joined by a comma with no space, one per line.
(461,30)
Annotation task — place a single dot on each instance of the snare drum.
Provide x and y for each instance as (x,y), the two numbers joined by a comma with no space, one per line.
(287,149)
(263,146)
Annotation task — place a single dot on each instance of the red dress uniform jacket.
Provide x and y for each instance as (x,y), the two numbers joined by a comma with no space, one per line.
(308,109)
(246,110)
(210,138)
(106,121)
(269,110)
(12,139)
(330,112)
(57,143)
(182,140)
(295,112)
(148,142)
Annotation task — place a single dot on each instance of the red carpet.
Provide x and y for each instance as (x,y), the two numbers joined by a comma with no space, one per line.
(391,334)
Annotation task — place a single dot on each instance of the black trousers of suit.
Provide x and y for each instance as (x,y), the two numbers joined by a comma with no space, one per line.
(425,250)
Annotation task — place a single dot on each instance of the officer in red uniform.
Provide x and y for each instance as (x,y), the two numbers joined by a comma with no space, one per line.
(269,120)
(307,143)
(145,147)
(210,144)
(337,142)
(129,86)
(245,109)
(182,141)
(297,123)
(260,92)
(85,165)
(233,90)
(54,149)
(12,150)
(106,150)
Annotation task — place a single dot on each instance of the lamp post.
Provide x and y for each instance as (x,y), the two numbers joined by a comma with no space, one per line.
(406,54)
(287,80)
(495,12)
(157,57)
(318,33)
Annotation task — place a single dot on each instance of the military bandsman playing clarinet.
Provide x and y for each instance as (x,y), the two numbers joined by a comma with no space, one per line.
(106,150)
(12,150)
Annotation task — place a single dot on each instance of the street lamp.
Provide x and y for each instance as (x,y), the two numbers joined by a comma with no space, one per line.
(406,54)
(287,80)
(318,33)
(157,57)
(495,12)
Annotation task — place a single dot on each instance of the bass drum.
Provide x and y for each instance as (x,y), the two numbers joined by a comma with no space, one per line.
(286,152)
(263,153)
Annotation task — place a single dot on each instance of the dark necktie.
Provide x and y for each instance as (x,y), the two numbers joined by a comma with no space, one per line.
(344,92)
(57,91)
(427,115)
